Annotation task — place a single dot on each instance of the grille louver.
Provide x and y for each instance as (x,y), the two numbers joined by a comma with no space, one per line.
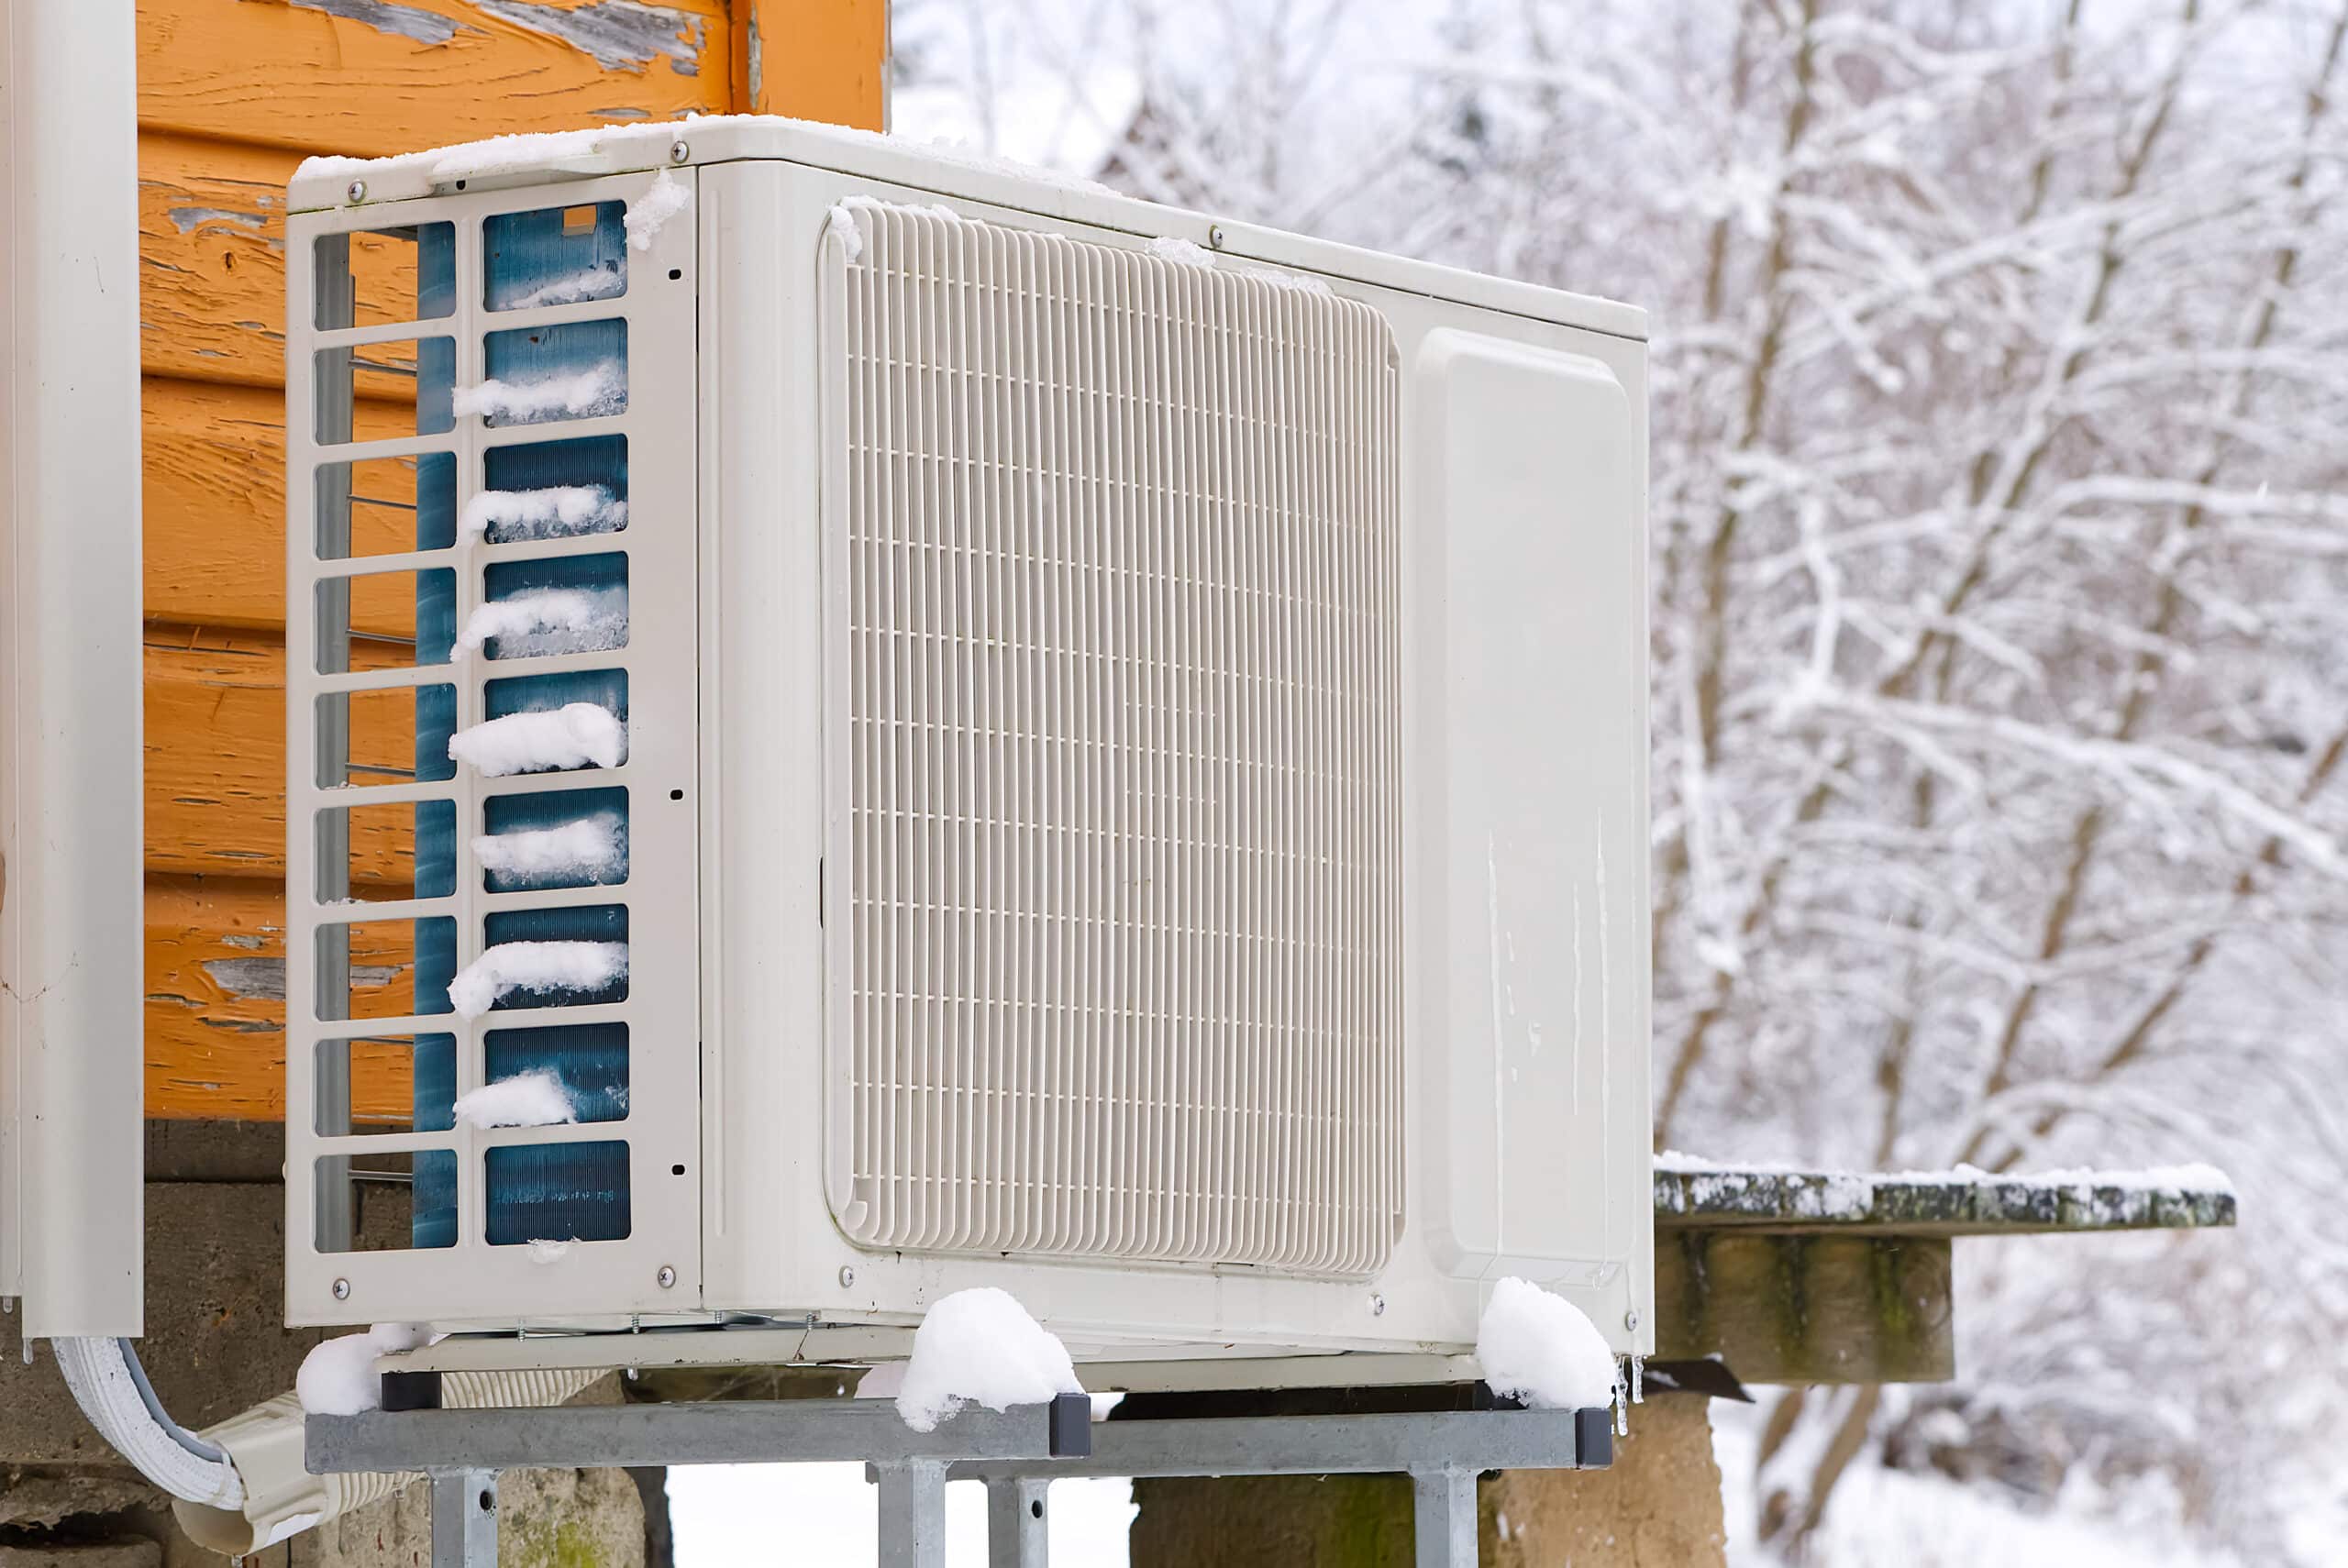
(1120,545)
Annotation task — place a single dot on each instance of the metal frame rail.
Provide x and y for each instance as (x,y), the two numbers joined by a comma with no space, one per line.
(1018,1452)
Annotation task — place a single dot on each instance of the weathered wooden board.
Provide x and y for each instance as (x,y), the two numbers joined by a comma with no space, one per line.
(215,499)
(216,761)
(215,997)
(1781,1309)
(376,77)
(216,1003)
(815,59)
(211,259)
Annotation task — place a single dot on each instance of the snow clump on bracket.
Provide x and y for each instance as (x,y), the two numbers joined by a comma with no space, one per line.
(980,1347)
(1544,1350)
(338,1377)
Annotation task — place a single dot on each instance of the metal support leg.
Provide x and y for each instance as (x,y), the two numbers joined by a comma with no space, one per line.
(912,1513)
(1017,1533)
(1443,1518)
(464,1519)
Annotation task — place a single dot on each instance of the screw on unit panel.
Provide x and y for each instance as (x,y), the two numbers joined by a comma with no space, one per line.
(342,1290)
(358,192)
(679,152)
(1631,1320)
(1378,1306)
(667,1278)
(1214,237)
(848,1276)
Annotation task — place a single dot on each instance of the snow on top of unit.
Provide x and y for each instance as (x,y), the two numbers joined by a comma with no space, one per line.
(1182,252)
(555,511)
(586,848)
(338,1377)
(1544,1350)
(572,736)
(551,967)
(646,145)
(650,213)
(980,1347)
(527,1099)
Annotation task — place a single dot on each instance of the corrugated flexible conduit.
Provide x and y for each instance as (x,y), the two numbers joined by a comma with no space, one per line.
(241,1485)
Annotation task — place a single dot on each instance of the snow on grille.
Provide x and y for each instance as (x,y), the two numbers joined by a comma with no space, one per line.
(1122,554)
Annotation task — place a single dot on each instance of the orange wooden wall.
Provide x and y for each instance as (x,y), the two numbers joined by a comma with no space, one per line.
(232,95)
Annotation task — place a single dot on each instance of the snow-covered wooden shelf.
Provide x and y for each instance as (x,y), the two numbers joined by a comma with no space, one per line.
(1695,1194)
(1792,1276)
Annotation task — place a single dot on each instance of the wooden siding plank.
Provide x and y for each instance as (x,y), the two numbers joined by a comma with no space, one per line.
(215,998)
(216,760)
(215,501)
(211,259)
(815,59)
(376,77)
(216,1005)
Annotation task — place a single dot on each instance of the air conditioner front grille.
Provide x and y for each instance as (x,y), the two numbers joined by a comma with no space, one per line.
(1120,545)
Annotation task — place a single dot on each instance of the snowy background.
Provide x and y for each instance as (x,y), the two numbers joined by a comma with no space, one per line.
(2000,681)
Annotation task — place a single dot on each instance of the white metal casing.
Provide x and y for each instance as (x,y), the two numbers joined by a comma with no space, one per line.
(71,912)
(1521,496)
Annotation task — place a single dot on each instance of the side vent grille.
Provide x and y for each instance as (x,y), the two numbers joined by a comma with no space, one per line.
(1118,547)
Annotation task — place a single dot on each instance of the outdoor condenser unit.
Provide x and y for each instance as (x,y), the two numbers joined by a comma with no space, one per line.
(982,731)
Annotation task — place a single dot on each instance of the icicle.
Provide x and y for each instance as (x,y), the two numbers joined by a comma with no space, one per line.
(1622,1403)
(1638,1380)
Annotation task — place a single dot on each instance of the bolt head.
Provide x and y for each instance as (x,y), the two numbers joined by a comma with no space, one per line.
(1378,1306)
(1631,1320)
(342,1290)
(1214,237)
(357,191)
(667,1278)
(679,152)
(848,1276)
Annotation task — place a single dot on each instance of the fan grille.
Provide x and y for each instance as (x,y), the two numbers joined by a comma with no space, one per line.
(1121,551)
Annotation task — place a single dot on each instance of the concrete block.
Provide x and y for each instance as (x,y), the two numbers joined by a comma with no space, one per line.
(1659,1503)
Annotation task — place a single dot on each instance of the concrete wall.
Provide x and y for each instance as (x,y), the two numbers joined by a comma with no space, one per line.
(217,1345)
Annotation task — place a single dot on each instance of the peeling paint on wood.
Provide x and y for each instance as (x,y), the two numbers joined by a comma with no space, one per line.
(187,220)
(316,79)
(211,248)
(212,1052)
(215,1004)
(400,21)
(618,35)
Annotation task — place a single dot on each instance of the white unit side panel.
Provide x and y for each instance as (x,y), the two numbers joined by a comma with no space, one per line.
(1536,811)
(771,1242)
(588,1282)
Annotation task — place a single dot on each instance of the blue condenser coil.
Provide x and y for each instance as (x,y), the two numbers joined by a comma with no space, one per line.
(550,1191)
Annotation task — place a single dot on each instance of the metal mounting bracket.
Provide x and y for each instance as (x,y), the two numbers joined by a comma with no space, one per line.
(1018,1452)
